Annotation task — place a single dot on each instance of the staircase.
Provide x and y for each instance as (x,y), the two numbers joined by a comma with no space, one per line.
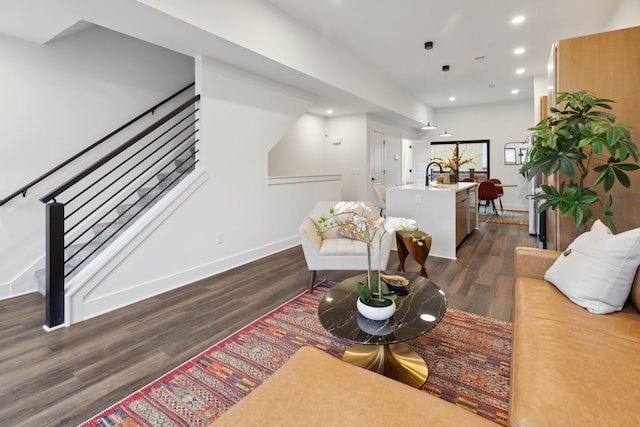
(119,219)
(99,205)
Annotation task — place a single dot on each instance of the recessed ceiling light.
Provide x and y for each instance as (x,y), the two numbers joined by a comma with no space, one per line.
(520,71)
(329,111)
(517,19)
(515,91)
(519,51)
(452,98)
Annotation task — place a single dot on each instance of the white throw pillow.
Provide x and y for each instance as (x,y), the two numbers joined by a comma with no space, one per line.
(598,268)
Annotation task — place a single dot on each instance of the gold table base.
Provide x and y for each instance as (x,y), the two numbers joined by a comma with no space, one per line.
(395,361)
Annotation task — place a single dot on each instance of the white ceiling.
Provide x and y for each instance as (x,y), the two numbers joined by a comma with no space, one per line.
(388,35)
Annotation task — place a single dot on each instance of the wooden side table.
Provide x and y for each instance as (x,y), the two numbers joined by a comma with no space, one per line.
(406,246)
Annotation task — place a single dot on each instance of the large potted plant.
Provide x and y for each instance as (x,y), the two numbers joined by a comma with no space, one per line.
(580,138)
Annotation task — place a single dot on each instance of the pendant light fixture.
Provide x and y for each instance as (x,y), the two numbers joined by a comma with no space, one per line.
(446,133)
(428,46)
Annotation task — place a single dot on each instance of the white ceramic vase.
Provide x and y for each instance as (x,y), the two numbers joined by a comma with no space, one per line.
(376,313)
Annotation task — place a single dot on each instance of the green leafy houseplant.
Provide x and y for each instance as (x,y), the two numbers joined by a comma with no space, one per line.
(375,291)
(580,138)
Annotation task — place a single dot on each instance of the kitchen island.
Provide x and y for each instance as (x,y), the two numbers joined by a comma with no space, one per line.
(447,212)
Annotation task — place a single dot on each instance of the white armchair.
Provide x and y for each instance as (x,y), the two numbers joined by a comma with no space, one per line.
(380,193)
(330,251)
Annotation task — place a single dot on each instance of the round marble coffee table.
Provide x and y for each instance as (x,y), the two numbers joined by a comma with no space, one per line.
(377,345)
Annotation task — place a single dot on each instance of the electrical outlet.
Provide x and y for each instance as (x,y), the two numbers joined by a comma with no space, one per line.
(418,198)
(219,237)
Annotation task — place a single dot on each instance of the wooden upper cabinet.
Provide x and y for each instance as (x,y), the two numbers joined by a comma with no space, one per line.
(608,65)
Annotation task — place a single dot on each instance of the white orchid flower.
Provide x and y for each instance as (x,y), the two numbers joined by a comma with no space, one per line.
(347,207)
(341,207)
(360,222)
(394,224)
(408,223)
(354,213)
(379,222)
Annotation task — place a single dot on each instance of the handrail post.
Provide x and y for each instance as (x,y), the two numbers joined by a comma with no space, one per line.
(55,265)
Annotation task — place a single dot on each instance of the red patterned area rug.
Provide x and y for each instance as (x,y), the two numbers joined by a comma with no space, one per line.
(468,358)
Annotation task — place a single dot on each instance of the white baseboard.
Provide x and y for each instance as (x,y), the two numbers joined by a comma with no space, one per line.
(5,290)
(107,303)
(24,283)
(513,207)
(48,329)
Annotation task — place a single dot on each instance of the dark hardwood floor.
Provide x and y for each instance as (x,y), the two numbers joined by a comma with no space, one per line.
(66,376)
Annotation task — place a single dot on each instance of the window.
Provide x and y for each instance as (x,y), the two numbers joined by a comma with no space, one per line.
(477,151)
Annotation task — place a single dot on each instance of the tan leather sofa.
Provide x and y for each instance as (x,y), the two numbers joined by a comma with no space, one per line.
(570,367)
(314,388)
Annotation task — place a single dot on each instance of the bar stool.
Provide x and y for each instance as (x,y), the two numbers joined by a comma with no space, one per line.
(406,246)
(487,192)
(499,190)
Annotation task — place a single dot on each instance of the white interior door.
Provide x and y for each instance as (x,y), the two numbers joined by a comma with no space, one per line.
(421,155)
(407,161)
(393,160)
(376,158)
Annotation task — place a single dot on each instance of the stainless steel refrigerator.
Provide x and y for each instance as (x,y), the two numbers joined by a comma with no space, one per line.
(537,221)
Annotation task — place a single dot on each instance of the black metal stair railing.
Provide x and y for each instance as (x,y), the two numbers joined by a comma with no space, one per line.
(24,189)
(90,210)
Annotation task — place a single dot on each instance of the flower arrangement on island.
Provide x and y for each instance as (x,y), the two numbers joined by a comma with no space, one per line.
(454,162)
(375,292)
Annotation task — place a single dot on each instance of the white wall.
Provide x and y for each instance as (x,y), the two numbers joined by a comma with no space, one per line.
(308,149)
(627,15)
(56,100)
(540,88)
(303,150)
(338,145)
(350,156)
(243,116)
(499,123)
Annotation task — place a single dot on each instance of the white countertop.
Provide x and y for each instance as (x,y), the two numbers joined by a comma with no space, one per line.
(460,186)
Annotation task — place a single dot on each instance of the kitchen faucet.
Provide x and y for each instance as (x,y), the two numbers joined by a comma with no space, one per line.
(428,166)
